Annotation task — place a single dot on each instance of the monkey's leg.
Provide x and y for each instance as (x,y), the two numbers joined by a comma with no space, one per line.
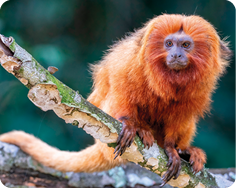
(126,136)
(175,135)
(194,155)
(197,157)
(174,162)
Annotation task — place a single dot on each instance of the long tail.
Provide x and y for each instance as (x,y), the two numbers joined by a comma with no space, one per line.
(97,157)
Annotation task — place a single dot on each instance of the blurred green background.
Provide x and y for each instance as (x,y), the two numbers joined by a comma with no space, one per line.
(71,34)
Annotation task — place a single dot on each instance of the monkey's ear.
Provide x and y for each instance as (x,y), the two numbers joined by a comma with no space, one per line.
(225,52)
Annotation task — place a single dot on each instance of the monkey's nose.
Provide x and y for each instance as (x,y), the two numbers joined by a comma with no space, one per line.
(176,55)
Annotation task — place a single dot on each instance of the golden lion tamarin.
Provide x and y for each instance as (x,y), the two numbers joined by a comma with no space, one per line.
(158,82)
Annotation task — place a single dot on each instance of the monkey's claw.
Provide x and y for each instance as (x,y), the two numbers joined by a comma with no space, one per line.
(174,167)
(146,137)
(125,139)
(195,156)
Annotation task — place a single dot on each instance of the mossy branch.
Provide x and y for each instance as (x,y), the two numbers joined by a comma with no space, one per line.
(48,93)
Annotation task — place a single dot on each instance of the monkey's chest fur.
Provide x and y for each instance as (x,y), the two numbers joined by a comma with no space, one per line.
(159,116)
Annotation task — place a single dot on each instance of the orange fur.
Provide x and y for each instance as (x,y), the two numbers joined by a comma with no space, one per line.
(133,81)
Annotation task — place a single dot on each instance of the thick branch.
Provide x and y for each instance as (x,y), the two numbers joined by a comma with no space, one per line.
(49,93)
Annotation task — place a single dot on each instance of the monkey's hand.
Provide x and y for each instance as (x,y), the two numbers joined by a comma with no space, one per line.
(174,165)
(126,137)
(197,157)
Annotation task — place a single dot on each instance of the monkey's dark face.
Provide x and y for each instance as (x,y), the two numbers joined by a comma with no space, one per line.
(178,45)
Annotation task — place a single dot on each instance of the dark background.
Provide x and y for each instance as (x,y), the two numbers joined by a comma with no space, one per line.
(71,34)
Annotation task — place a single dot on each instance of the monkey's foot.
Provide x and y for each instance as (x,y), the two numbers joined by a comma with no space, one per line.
(197,157)
(146,136)
(126,138)
(174,165)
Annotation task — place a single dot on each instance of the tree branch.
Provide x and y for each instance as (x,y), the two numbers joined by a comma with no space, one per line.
(48,93)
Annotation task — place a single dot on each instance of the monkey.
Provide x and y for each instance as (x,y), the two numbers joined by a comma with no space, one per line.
(158,83)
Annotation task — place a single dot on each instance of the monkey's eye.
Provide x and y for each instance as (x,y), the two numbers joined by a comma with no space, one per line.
(169,43)
(186,45)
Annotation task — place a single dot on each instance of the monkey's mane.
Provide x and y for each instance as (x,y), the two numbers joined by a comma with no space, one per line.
(199,78)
